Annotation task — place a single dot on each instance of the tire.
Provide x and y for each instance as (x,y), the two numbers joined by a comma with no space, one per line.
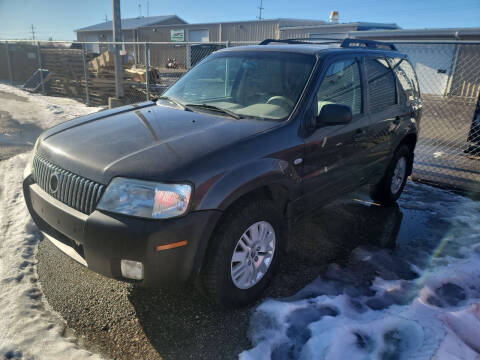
(216,276)
(389,189)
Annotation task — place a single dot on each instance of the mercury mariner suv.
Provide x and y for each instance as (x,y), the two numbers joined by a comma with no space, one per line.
(202,184)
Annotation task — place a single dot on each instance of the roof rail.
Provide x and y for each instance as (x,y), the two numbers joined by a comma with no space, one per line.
(301,41)
(370,44)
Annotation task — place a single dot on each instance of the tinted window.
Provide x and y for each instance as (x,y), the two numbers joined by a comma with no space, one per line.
(381,85)
(408,85)
(341,85)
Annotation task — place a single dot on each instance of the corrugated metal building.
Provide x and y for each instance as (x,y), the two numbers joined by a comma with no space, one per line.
(236,31)
(130,27)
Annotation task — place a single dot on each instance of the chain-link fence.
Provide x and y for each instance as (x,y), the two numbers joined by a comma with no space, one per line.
(85,71)
(448,72)
(448,150)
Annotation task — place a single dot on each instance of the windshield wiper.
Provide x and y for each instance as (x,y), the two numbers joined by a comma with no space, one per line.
(176,102)
(215,108)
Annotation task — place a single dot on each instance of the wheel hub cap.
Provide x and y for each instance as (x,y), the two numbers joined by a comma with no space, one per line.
(399,174)
(253,255)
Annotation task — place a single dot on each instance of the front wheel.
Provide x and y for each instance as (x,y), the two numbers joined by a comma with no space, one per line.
(389,189)
(244,253)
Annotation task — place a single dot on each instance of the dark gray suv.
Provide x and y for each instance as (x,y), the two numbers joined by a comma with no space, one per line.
(203,184)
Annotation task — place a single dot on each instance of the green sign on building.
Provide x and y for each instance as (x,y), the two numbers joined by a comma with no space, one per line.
(177,35)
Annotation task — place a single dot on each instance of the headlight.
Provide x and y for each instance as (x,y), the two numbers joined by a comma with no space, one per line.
(145,199)
(29,167)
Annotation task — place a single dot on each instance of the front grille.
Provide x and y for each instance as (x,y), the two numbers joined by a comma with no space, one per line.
(73,190)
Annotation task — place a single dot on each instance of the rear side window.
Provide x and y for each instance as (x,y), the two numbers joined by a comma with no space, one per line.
(408,85)
(381,85)
(341,85)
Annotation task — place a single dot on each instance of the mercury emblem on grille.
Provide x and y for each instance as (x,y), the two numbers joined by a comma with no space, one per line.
(53,183)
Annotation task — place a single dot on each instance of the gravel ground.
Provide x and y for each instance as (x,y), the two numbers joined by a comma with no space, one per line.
(123,321)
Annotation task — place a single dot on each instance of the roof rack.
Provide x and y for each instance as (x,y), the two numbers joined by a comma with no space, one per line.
(302,41)
(345,43)
(370,44)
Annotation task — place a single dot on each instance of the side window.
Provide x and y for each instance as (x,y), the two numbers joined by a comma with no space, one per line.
(408,85)
(341,85)
(381,85)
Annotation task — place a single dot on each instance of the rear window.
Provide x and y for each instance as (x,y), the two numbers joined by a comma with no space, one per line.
(381,85)
(408,84)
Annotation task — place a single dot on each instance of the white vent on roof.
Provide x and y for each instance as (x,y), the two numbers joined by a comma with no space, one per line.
(334,17)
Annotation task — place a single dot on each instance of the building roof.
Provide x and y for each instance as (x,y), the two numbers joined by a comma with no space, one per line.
(131,23)
(361,26)
(424,34)
(281,21)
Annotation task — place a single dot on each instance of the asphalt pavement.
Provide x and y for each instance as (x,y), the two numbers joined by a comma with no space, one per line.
(123,321)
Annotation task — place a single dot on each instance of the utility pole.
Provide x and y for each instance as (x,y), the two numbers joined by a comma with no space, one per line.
(33,32)
(117,37)
(260,8)
(106,19)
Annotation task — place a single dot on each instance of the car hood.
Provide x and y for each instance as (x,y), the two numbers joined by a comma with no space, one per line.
(147,142)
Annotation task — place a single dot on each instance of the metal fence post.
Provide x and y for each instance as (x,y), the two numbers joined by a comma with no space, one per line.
(85,74)
(147,66)
(40,66)
(188,60)
(117,37)
(9,63)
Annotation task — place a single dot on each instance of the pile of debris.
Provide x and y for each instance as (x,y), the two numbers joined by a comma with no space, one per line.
(101,81)
(63,74)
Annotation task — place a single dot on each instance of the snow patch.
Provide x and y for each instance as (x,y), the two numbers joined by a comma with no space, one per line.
(418,301)
(43,111)
(29,329)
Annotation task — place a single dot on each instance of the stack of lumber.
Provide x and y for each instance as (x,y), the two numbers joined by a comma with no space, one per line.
(101,80)
(66,76)
(66,72)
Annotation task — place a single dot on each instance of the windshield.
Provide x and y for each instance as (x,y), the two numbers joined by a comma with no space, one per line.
(259,85)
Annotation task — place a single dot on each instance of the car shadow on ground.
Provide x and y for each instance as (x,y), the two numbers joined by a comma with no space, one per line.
(181,324)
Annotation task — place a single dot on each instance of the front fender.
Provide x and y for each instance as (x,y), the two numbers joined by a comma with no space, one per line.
(231,185)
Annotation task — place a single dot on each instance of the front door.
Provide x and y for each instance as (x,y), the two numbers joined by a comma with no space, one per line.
(331,151)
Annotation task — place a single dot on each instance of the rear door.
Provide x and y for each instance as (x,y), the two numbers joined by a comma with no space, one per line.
(385,114)
(330,163)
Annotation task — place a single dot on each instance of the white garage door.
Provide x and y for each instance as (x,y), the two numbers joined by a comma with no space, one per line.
(433,63)
(198,35)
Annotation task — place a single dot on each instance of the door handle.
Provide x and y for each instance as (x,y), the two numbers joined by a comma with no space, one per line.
(397,119)
(359,135)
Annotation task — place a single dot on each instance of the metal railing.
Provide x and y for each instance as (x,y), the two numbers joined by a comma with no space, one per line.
(448,150)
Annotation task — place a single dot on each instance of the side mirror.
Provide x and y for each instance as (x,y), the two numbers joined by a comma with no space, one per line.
(334,114)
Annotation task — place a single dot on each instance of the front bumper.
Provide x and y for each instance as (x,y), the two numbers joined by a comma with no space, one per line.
(102,239)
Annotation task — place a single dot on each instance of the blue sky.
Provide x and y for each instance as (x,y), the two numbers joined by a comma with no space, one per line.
(58,18)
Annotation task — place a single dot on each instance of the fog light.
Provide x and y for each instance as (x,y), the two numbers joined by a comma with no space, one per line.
(132,269)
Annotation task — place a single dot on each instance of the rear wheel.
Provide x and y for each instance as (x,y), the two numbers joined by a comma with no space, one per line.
(389,189)
(244,253)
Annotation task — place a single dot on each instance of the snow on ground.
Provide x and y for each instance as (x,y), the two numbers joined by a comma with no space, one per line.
(418,301)
(29,329)
(44,111)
